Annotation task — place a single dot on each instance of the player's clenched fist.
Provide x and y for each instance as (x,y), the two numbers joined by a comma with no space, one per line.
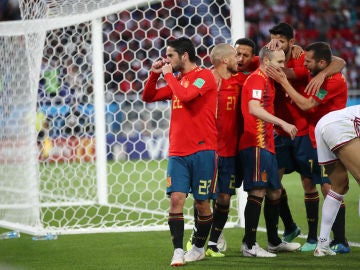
(157,66)
(167,68)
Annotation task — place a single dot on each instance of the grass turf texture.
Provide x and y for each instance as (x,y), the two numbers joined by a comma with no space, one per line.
(153,250)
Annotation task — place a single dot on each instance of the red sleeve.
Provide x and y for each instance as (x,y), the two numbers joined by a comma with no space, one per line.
(301,72)
(203,82)
(255,87)
(332,87)
(151,93)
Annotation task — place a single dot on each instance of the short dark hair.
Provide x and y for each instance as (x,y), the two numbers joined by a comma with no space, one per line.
(322,51)
(265,52)
(182,45)
(247,42)
(283,29)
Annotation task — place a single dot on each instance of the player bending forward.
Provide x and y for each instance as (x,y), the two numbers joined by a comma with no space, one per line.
(338,146)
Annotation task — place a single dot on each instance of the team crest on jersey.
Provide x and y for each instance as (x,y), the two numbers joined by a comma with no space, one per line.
(199,82)
(321,94)
(256,93)
(185,83)
(264,176)
(168,181)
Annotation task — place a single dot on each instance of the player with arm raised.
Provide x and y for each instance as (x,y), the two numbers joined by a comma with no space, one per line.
(331,96)
(295,155)
(230,125)
(231,67)
(193,140)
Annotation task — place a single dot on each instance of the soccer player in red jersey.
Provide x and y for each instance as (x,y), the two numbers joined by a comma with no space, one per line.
(230,125)
(225,60)
(231,68)
(295,155)
(248,60)
(257,156)
(331,96)
(192,137)
(290,153)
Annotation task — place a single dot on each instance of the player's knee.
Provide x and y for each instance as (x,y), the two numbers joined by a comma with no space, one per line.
(325,187)
(308,186)
(223,199)
(345,187)
(177,200)
(203,207)
(273,194)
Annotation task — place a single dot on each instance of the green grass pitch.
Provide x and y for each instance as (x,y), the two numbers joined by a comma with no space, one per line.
(153,250)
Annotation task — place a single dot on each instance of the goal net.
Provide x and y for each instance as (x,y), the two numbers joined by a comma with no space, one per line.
(79,151)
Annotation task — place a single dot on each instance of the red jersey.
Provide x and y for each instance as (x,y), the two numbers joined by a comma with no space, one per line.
(257,132)
(332,96)
(285,108)
(229,119)
(193,114)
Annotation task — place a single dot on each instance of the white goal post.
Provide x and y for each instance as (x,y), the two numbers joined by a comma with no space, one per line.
(79,151)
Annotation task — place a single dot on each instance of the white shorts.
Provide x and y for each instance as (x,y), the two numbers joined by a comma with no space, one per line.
(334,130)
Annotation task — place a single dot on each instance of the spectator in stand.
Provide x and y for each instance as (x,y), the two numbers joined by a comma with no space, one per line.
(280,9)
(319,20)
(253,9)
(256,35)
(321,24)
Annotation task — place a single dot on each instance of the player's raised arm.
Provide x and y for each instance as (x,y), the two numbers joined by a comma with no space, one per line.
(302,102)
(335,66)
(151,92)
